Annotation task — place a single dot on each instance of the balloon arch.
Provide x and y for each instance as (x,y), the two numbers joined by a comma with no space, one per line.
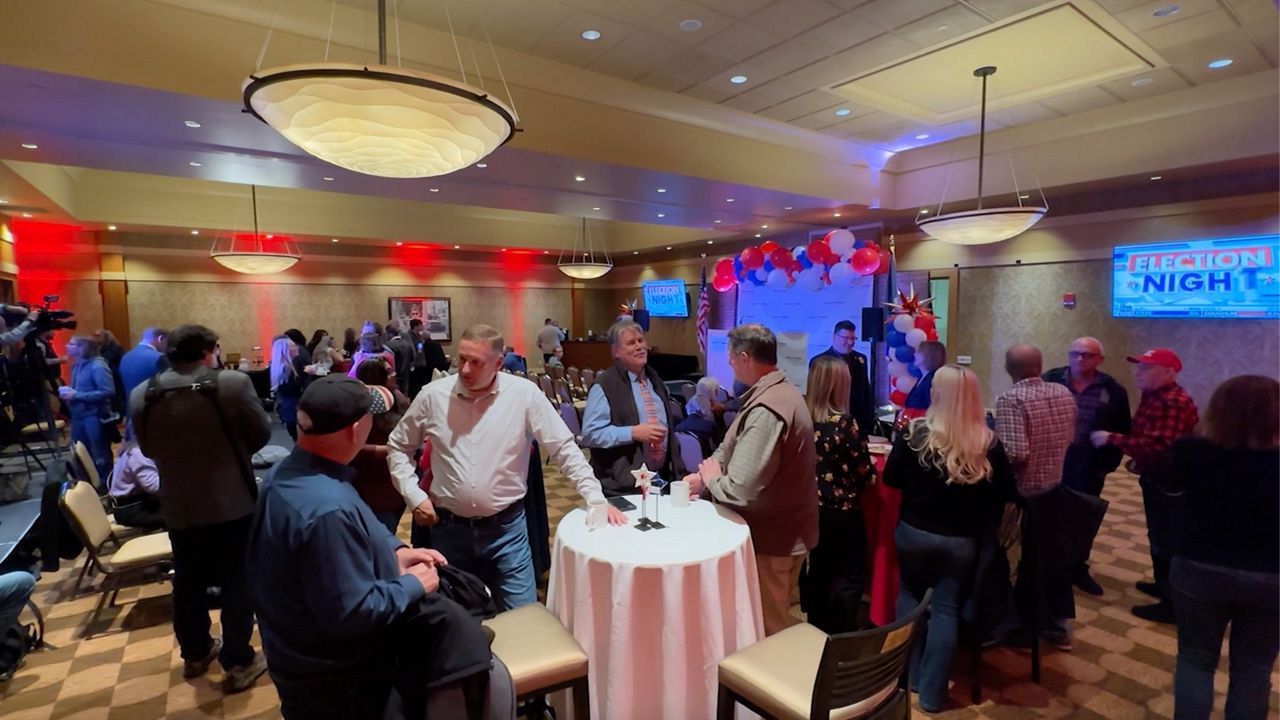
(836,258)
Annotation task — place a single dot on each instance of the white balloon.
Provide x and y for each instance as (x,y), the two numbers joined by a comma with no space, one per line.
(915,336)
(905,383)
(841,241)
(811,279)
(841,274)
(777,279)
(795,251)
(898,369)
(762,275)
(904,323)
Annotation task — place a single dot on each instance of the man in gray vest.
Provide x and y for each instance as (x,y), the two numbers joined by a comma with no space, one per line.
(766,470)
(625,422)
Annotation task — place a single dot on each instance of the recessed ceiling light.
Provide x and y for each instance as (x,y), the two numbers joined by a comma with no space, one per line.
(924,211)
(457,247)
(835,214)
(326,178)
(759,235)
(399,244)
(3,201)
(1023,197)
(1157,177)
(195,232)
(764,227)
(482,165)
(111,227)
(662,214)
(1164,11)
(691,25)
(943,27)
(718,221)
(579,178)
(787,207)
(728,199)
(662,189)
(1142,82)
(591,35)
(26,215)
(191,123)
(270,237)
(710,241)
(842,112)
(434,189)
(668,247)
(1215,65)
(504,249)
(333,239)
(30,146)
(922,136)
(635,252)
(738,79)
(595,208)
(546,252)
(193,163)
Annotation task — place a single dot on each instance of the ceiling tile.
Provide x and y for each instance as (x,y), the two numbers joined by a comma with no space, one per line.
(1191,58)
(524,22)
(1163,80)
(885,134)
(1140,18)
(827,117)
(792,55)
(740,42)
(1255,11)
(1269,38)
(667,23)
(1022,114)
(565,43)
(896,13)
(714,90)
(871,120)
(737,8)
(691,68)
(1118,6)
(637,54)
(805,104)
(941,26)
(635,14)
(1001,9)
(860,58)
(793,17)
(840,33)
(767,95)
(1190,30)
(1082,100)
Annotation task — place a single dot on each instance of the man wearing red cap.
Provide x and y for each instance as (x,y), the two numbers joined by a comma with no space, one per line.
(1165,413)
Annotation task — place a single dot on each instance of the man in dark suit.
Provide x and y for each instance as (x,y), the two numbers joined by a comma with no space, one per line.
(862,405)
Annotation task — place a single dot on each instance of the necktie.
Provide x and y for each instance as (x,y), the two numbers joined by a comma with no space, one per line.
(657,450)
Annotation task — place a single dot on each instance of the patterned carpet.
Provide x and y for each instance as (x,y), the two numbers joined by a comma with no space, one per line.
(1120,667)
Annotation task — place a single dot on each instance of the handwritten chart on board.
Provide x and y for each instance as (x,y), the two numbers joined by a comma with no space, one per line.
(802,312)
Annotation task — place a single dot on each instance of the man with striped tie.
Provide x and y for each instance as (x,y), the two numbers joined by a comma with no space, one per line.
(625,422)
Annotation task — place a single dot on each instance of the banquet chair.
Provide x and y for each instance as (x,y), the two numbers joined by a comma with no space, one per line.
(541,655)
(570,416)
(123,563)
(556,372)
(802,673)
(588,378)
(574,376)
(687,390)
(544,382)
(80,467)
(729,415)
(690,451)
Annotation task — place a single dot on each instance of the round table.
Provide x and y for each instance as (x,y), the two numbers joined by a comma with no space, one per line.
(657,611)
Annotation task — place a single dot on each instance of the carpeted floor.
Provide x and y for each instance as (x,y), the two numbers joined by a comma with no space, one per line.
(1120,667)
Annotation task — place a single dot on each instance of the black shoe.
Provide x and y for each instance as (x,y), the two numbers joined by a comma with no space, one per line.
(1150,588)
(1161,612)
(1087,584)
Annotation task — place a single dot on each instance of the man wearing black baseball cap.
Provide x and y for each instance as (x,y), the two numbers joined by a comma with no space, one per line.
(327,579)
(1165,413)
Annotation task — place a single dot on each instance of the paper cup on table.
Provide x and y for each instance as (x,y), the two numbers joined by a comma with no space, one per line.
(679,494)
(597,514)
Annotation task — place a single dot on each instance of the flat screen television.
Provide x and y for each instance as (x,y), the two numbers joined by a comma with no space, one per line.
(1235,277)
(665,298)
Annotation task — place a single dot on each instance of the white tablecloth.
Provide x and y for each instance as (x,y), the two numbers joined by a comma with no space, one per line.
(657,611)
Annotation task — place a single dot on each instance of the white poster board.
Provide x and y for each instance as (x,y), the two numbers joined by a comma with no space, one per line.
(718,358)
(813,315)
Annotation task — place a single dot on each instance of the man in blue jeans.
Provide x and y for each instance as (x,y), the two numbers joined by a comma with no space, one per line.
(15,589)
(480,424)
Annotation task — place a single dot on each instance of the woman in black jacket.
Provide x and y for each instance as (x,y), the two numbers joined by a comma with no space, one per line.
(955,479)
(1226,569)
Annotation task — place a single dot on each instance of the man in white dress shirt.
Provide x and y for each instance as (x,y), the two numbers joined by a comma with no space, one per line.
(480,424)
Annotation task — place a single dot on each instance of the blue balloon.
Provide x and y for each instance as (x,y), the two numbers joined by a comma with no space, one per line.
(905,354)
(768,266)
(894,338)
(916,372)
(737,266)
(857,244)
(803,259)
(755,280)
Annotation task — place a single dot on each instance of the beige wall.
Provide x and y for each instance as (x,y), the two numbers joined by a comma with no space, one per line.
(1001,306)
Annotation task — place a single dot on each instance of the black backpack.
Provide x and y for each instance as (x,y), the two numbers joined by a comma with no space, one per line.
(15,642)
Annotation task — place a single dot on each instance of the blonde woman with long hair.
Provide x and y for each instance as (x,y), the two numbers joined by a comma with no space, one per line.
(955,479)
(835,572)
(286,382)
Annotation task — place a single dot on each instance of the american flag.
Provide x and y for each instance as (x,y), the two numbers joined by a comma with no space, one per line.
(704,313)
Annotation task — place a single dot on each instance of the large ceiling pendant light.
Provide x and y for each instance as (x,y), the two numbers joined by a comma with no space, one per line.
(379,119)
(586,261)
(249,256)
(983,225)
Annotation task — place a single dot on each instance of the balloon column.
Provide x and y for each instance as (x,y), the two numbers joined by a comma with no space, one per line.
(837,258)
(911,323)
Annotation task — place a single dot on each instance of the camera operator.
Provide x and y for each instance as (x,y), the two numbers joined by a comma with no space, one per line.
(11,337)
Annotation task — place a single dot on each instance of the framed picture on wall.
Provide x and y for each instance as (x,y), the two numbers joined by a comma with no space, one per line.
(432,311)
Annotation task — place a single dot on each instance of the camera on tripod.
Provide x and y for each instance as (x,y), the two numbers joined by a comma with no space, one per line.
(50,319)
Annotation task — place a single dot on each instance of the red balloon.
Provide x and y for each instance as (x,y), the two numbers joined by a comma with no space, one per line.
(767,247)
(893,381)
(818,252)
(780,257)
(884,262)
(723,283)
(752,258)
(724,266)
(897,397)
(931,335)
(865,260)
(924,322)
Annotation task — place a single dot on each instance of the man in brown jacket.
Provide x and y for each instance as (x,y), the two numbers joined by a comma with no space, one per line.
(765,469)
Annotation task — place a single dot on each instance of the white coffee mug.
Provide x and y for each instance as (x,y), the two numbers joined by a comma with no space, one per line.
(597,513)
(679,494)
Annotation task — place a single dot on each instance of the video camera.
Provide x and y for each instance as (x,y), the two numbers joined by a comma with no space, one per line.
(50,319)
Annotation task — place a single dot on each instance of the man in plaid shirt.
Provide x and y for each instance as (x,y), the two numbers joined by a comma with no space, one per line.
(1035,421)
(1165,413)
